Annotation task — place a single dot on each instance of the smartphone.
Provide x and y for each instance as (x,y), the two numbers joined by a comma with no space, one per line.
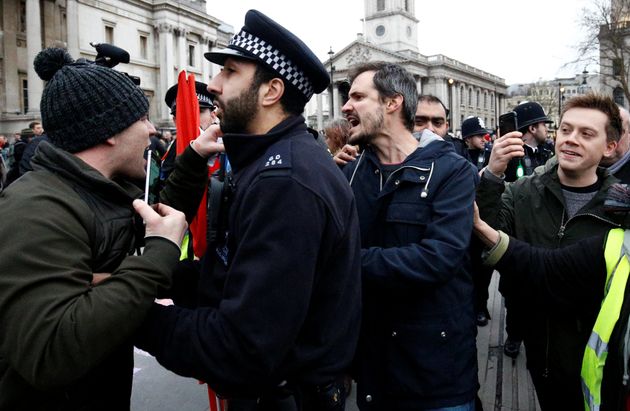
(152,180)
(508,122)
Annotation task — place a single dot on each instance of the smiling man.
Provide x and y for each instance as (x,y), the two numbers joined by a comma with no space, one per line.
(279,295)
(552,209)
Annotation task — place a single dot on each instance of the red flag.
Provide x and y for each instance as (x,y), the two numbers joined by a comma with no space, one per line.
(187,123)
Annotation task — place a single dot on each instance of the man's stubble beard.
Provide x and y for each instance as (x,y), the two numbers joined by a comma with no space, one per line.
(374,126)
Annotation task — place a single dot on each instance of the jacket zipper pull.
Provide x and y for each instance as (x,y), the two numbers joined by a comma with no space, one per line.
(561,232)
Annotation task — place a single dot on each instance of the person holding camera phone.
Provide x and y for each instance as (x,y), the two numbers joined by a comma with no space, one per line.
(71,292)
(553,208)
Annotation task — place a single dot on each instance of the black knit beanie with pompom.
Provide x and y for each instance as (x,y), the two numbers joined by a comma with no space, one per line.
(84,104)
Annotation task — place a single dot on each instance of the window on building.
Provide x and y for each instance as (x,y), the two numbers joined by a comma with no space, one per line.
(1,15)
(478,99)
(191,55)
(492,102)
(23,92)
(22,16)
(617,67)
(64,24)
(485,100)
(407,5)
(380,5)
(619,97)
(470,94)
(144,41)
(461,95)
(109,34)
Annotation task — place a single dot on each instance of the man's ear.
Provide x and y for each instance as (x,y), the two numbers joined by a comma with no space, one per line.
(110,141)
(393,103)
(272,91)
(611,146)
(532,128)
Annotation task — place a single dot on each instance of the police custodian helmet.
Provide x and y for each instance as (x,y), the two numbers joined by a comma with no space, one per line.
(203,95)
(473,126)
(530,112)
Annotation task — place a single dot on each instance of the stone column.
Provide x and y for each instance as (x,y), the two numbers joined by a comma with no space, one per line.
(167,74)
(182,61)
(320,109)
(33,46)
(11,80)
(72,20)
(455,110)
(336,109)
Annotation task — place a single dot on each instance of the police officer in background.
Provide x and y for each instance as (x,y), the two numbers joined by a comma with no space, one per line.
(279,296)
(474,135)
(532,123)
(206,118)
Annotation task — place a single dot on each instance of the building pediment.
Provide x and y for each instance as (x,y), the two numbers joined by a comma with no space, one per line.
(360,51)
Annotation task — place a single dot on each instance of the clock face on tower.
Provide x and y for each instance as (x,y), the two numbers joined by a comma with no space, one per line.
(380,30)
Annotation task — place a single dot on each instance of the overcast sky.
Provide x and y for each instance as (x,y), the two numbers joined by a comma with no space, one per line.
(520,41)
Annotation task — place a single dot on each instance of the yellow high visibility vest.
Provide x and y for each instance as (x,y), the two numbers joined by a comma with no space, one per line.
(184,248)
(616,253)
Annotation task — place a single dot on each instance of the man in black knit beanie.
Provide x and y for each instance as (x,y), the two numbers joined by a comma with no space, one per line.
(69,309)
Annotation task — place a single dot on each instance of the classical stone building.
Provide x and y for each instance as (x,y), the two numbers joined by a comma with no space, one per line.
(161,36)
(391,35)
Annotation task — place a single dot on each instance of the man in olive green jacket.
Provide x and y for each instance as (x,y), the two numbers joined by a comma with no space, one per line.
(71,292)
(554,208)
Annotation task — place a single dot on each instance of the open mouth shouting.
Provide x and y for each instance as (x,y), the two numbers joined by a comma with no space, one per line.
(354,121)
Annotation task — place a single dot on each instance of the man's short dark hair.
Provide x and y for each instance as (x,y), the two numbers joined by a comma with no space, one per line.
(605,104)
(292,101)
(33,124)
(431,99)
(390,80)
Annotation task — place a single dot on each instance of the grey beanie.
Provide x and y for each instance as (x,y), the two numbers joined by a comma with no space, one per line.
(84,104)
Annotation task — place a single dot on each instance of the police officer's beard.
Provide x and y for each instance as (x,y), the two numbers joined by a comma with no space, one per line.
(238,112)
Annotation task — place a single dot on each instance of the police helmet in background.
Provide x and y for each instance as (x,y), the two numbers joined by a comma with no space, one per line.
(473,126)
(530,112)
(264,41)
(203,95)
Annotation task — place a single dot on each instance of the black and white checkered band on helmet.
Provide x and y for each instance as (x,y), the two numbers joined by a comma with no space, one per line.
(204,99)
(274,59)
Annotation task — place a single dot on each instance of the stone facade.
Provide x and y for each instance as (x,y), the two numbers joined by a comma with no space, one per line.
(161,36)
(466,90)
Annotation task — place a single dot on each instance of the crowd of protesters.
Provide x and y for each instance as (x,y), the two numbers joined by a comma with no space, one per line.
(291,270)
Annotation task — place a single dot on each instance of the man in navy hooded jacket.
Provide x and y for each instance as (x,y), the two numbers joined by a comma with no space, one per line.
(415,202)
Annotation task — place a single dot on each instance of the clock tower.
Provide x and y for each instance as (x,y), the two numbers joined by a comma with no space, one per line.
(392,24)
